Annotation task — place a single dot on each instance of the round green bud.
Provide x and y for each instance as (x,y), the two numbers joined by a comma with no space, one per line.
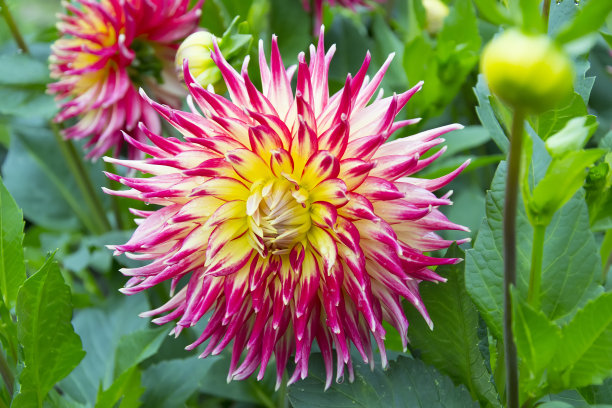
(529,72)
(196,50)
(435,13)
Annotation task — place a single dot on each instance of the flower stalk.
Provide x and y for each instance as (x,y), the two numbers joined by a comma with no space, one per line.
(10,22)
(100,223)
(535,276)
(546,13)
(510,207)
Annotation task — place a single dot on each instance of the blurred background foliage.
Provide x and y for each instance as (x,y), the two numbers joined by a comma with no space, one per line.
(128,362)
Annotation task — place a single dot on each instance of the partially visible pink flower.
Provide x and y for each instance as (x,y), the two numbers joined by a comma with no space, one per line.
(318,6)
(286,217)
(107,50)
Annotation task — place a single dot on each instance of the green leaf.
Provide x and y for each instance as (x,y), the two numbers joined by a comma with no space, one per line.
(22,69)
(138,346)
(22,85)
(172,382)
(101,330)
(452,347)
(536,339)
(40,181)
(291,23)
(589,19)
(601,394)
(584,356)
(493,11)
(126,389)
(347,34)
(465,139)
(485,113)
(570,267)
(407,383)
(553,120)
(51,348)
(214,381)
(12,266)
(561,14)
(565,175)
(573,136)
(527,15)
(26,102)
(459,38)
(385,42)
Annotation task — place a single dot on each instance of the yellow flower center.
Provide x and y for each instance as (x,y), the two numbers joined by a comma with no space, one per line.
(279,215)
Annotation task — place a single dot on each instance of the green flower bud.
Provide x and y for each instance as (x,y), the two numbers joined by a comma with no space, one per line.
(435,13)
(196,50)
(528,72)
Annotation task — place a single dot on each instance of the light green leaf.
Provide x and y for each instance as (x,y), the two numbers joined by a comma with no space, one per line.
(584,356)
(452,347)
(570,267)
(565,175)
(12,266)
(407,383)
(459,39)
(51,348)
(138,346)
(591,16)
(572,137)
(126,389)
(493,11)
(536,339)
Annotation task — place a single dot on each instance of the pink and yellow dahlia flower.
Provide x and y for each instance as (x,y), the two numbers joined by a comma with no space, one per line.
(107,50)
(286,215)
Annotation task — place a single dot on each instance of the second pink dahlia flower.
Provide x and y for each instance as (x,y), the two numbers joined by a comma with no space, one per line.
(286,216)
(108,50)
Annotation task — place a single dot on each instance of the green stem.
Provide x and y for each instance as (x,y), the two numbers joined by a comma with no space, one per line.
(535,276)
(84,183)
(545,13)
(114,199)
(510,204)
(8,17)
(7,374)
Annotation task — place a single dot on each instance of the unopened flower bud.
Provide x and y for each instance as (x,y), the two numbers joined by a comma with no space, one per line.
(196,50)
(435,13)
(529,72)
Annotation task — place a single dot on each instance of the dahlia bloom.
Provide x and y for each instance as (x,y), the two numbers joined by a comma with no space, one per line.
(318,6)
(286,215)
(107,50)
